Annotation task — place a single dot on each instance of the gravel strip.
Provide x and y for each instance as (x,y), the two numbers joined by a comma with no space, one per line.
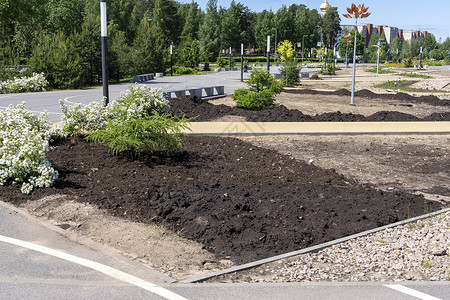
(415,251)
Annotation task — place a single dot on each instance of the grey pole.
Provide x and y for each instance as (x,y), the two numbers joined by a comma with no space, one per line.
(242,62)
(378,56)
(275,50)
(352,102)
(104,35)
(230,58)
(268,53)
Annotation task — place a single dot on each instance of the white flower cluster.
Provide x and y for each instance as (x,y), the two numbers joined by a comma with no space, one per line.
(24,143)
(78,118)
(36,83)
(137,102)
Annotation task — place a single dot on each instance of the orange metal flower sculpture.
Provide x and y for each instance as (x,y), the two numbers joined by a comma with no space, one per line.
(355,12)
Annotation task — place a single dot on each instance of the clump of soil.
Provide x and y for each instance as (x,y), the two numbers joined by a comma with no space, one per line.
(202,110)
(242,202)
(429,99)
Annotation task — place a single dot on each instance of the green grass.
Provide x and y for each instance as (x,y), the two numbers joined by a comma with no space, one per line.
(404,85)
(381,70)
(414,75)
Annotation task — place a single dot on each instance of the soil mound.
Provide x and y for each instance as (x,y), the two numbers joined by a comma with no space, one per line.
(202,110)
(391,116)
(240,201)
(430,100)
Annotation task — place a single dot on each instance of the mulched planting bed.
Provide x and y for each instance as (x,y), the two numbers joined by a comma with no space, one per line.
(240,201)
(429,99)
(191,106)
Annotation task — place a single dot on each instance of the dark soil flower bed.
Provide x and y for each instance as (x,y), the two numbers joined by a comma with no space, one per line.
(240,201)
(205,111)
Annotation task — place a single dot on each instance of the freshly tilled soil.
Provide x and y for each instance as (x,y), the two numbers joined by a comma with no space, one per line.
(242,202)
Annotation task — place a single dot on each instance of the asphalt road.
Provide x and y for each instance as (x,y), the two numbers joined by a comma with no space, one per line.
(49,101)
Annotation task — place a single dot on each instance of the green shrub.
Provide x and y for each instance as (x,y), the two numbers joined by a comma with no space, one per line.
(293,73)
(150,134)
(261,91)
(408,63)
(248,99)
(180,70)
(221,62)
(261,80)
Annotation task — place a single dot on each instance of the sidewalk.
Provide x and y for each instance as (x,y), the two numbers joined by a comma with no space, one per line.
(317,128)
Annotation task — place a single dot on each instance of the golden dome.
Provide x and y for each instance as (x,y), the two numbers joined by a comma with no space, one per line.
(325,6)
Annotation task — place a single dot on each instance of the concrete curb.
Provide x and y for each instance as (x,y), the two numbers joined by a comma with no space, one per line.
(309,249)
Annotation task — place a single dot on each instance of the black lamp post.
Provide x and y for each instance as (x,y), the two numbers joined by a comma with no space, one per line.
(104,35)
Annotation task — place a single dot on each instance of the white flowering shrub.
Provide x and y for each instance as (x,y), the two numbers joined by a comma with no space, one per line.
(137,102)
(24,144)
(36,83)
(78,118)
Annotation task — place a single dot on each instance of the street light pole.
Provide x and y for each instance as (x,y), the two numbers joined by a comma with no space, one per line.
(303,45)
(230,58)
(268,53)
(242,62)
(275,50)
(171,61)
(104,37)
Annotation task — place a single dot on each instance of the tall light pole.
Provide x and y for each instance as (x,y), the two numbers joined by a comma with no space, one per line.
(230,58)
(378,45)
(171,60)
(242,62)
(104,37)
(275,50)
(303,45)
(355,12)
(268,53)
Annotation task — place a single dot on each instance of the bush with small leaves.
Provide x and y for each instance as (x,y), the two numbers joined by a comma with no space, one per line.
(152,133)
(248,99)
(261,91)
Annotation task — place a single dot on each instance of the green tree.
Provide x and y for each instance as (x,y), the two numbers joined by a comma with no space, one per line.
(57,58)
(88,43)
(150,53)
(331,26)
(192,53)
(191,24)
(283,23)
(263,28)
(119,53)
(395,48)
(209,30)
(65,15)
(231,33)
(348,47)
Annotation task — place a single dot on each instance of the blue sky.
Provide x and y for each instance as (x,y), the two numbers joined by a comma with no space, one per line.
(429,15)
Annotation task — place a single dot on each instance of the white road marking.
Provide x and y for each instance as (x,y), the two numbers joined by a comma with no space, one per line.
(151,287)
(411,292)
